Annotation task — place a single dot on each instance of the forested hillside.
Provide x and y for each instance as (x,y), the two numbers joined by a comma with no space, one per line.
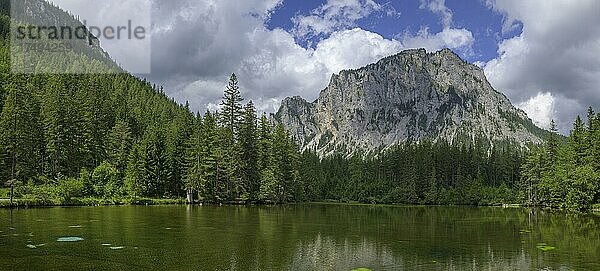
(113,136)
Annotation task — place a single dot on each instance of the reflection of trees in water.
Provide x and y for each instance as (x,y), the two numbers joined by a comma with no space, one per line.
(324,253)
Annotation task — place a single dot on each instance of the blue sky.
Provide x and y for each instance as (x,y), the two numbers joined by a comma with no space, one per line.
(543,55)
(484,23)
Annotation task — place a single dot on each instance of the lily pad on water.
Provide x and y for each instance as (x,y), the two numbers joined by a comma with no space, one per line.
(75,226)
(106,244)
(362,269)
(31,246)
(116,248)
(69,239)
(524,231)
(545,247)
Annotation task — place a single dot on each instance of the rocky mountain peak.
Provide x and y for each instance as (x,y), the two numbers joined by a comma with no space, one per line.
(408,97)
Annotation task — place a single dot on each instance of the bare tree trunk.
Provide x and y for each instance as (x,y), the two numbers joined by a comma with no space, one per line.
(12,188)
(12,179)
(190,196)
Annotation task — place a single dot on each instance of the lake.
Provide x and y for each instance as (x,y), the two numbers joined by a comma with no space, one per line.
(297,237)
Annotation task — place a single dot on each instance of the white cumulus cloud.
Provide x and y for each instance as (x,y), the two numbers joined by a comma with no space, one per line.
(540,109)
(558,51)
(334,15)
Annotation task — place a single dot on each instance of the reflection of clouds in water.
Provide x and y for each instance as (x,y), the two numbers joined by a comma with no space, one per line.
(323,253)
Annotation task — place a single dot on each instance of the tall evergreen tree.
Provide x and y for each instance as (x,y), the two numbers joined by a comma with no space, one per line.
(579,141)
(195,159)
(231,111)
(552,143)
(231,114)
(266,166)
(119,145)
(213,173)
(248,141)
(156,167)
(20,136)
(135,174)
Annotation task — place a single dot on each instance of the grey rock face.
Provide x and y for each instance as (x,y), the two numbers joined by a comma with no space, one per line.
(408,97)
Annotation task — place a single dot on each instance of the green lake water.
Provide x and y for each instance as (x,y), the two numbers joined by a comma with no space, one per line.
(297,237)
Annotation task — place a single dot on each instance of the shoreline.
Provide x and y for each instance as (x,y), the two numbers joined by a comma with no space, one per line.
(97,202)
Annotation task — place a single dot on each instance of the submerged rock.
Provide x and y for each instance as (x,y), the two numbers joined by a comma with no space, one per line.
(69,239)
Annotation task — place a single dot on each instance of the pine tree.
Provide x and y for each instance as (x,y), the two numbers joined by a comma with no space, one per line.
(231,111)
(20,133)
(592,131)
(431,194)
(212,166)
(56,126)
(266,167)
(578,141)
(231,114)
(552,144)
(249,154)
(156,166)
(195,155)
(119,145)
(135,174)
(285,161)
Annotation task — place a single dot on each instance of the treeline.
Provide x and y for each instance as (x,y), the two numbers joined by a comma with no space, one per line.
(565,175)
(424,173)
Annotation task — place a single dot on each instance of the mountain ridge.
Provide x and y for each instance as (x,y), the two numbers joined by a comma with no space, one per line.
(407,97)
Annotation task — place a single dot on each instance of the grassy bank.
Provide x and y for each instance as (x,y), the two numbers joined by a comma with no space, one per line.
(37,202)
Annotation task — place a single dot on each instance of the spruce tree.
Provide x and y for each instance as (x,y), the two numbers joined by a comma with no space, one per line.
(231,114)
(119,145)
(578,141)
(195,155)
(135,174)
(156,166)
(248,142)
(266,166)
(552,143)
(212,166)
(20,133)
(231,111)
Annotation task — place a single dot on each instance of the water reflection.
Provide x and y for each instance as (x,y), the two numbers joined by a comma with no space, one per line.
(298,237)
(324,253)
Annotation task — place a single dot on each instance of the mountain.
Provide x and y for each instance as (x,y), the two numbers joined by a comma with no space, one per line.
(68,53)
(408,97)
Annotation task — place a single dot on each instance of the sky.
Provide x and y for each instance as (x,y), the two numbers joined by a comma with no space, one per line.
(543,55)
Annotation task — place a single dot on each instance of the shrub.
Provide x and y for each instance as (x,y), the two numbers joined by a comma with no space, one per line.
(69,188)
(85,177)
(106,181)
(4,193)
(582,189)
